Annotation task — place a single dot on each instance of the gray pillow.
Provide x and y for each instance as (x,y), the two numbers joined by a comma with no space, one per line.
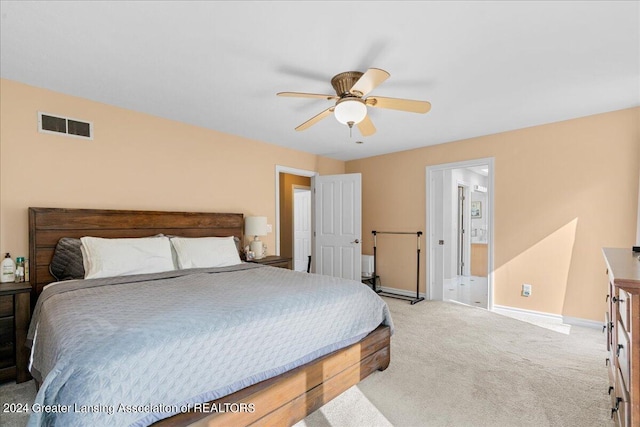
(66,263)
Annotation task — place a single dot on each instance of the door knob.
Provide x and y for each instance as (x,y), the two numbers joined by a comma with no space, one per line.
(356,241)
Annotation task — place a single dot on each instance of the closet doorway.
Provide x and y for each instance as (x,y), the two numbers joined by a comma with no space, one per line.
(289,182)
(459,232)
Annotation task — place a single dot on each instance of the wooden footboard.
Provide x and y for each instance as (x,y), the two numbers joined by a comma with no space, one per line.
(290,397)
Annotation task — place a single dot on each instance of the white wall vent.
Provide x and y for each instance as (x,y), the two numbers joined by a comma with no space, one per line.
(50,123)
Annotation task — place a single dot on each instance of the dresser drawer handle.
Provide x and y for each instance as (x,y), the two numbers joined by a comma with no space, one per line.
(620,347)
(610,388)
(614,410)
(606,363)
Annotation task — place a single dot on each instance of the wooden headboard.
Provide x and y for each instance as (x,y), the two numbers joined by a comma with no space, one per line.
(48,225)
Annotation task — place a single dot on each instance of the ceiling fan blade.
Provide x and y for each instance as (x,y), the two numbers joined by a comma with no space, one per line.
(399,104)
(369,81)
(366,126)
(315,119)
(307,95)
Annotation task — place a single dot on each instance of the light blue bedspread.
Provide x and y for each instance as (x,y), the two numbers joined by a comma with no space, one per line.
(133,350)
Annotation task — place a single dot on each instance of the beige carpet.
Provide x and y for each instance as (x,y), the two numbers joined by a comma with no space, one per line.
(453,365)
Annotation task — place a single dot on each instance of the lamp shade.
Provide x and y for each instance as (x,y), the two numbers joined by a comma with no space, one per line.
(350,110)
(255,226)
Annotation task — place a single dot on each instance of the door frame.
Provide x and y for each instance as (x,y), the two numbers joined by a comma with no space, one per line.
(431,204)
(292,171)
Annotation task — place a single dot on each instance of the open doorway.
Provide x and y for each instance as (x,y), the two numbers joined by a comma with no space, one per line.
(459,232)
(288,181)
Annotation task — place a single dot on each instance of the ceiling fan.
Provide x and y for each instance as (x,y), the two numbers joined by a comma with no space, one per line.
(350,107)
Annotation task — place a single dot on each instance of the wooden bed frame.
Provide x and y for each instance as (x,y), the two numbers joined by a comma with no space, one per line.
(282,400)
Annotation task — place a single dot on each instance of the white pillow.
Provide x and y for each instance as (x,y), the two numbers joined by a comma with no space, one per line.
(123,257)
(205,252)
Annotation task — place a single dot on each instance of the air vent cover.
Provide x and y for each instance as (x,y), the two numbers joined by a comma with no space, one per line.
(49,123)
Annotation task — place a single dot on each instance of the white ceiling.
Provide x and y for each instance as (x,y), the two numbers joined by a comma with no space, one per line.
(486,67)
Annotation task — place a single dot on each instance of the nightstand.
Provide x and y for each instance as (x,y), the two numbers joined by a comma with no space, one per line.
(274,261)
(15,313)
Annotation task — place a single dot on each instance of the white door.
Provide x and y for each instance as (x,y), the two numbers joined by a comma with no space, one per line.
(301,228)
(338,225)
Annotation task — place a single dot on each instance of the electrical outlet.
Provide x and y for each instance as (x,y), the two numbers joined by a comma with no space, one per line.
(526,290)
(269,228)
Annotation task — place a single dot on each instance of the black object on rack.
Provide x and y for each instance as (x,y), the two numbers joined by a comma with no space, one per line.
(412,300)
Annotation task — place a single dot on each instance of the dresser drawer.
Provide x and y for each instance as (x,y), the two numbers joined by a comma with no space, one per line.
(608,326)
(6,306)
(621,408)
(623,308)
(611,370)
(622,352)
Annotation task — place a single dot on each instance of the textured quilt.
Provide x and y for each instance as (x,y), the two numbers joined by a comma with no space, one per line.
(133,350)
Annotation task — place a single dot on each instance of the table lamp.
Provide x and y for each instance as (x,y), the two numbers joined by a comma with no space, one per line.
(256,226)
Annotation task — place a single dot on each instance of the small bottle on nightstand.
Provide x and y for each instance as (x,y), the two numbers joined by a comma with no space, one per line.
(19,269)
(8,269)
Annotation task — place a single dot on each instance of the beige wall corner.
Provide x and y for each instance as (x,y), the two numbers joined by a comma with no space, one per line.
(562,192)
(136,161)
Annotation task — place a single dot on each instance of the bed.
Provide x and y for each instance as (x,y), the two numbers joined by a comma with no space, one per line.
(281,391)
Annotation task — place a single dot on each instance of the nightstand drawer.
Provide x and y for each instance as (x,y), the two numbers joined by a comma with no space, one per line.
(6,305)
(14,323)
(7,342)
(284,264)
(274,261)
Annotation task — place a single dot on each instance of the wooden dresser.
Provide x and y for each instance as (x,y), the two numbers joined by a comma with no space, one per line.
(15,311)
(622,326)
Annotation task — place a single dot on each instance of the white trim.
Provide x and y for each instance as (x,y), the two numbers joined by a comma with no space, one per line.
(490,162)
(402,292)
(585,323)
(539,315)
(292,171)
(547,317)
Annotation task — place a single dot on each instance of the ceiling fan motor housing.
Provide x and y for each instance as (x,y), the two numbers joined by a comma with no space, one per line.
(343,82)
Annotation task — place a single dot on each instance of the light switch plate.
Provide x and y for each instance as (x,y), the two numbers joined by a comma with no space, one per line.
(269,228)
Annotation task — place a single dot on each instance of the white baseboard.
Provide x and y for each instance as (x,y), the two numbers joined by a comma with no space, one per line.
(539,315)
(585,323)
(548,317)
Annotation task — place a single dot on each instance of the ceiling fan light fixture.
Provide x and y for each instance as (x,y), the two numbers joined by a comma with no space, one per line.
(350,110)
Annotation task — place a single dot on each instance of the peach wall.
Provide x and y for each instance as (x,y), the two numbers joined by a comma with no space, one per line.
(136,161)
(562,192)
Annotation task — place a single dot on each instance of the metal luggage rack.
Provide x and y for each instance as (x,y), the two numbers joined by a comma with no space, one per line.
(376,279)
